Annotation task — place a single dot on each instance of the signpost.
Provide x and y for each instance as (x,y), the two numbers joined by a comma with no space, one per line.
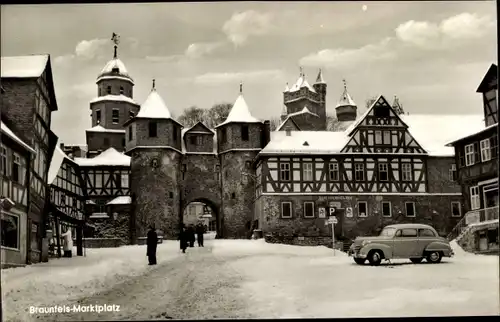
(333,220)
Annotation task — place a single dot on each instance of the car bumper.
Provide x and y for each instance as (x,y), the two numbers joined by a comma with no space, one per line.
(356,254)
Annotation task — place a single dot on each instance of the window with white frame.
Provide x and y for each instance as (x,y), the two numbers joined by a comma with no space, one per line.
(115,116)
(307,172)
(475,200)
(125,180)
(485,150)
(359,172)
(386,209)
(383,172)
(308,209)
(362,209)
(10,231)
(452,172)
(3,160)
(469,155)
(406,174)
(285,171)
(286,209)
(456,210)
(410,209)
(334,171)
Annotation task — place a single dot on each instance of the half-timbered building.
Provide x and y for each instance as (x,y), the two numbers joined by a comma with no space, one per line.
(384,168)
(15,160)
(28,102)
(477,167)
(66,209)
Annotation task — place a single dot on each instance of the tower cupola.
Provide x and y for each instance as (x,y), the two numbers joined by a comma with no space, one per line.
(346,108)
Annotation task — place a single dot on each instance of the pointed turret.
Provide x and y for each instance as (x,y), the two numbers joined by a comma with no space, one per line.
(240,113)
(319,79)
(397,107)
(346,108)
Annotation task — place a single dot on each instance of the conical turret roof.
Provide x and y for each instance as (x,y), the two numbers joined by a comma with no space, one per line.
(154,107)
(319,79)
(345,99)
(240,113)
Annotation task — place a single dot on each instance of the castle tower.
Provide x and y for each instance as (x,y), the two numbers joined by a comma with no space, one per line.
(154,144)
(320,88)
(239,139)
(346,109)
(112,107)
(302,95)
(396,105)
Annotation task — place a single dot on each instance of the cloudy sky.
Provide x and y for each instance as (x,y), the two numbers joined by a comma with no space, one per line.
(430,54)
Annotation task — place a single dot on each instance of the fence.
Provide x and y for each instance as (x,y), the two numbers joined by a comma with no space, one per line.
(474,217)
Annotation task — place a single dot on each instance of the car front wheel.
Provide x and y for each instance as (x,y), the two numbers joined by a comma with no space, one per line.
(375,258)
(359,261)
(434,257)
(416,260)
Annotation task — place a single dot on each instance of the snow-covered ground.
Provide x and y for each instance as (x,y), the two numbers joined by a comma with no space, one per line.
(250,279)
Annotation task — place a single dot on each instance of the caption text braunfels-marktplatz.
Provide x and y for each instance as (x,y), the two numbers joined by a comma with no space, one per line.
(74,309)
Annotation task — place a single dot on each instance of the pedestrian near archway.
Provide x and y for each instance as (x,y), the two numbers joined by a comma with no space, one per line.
(183,238)
(200,230)
(152,243)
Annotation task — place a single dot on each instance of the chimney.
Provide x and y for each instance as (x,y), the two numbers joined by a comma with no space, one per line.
(266,135)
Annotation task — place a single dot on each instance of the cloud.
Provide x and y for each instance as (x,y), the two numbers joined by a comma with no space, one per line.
(450,31)
(88,49)
(347,58)
(250,76)
(165,59)
(242,25)
(198,50)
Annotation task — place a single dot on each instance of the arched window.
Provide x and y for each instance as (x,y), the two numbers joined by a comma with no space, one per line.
(121,90)
(109,89)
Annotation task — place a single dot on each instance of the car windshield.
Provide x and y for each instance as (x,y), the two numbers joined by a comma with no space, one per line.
(388,232)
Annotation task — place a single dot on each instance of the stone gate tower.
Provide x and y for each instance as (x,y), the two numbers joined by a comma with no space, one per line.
(154,144)
(239,139)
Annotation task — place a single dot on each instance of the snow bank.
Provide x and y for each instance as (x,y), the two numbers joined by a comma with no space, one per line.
(63,280)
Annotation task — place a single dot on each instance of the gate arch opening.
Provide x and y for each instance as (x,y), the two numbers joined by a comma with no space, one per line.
(204,211)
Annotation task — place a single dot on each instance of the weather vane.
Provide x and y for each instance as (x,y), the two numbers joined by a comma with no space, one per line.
(241,87)
(345,83)
(116,39)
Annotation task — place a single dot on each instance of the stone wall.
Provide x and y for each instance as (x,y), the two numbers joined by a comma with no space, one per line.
(165,134)
(470,240)
(115,87)
(112,228)
(107,107)
(438,178)
(95,141)
(432,210)
(156,190)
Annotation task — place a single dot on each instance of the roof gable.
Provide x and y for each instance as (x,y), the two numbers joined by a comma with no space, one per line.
(199,128)
(489,80)
(288,124)
(58,158)
(110,157)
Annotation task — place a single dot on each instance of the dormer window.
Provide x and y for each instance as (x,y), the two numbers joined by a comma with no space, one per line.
(109,89)
(244,133)
(121,90)
(381,111)
(115,70)
(192,139)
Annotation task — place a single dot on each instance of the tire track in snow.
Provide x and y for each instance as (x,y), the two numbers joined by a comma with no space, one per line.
(196,285)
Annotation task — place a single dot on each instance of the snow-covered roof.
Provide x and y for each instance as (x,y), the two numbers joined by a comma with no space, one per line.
(112,64)
(307,142)
(240,113)
(109,97)
(129,79)
(345,99)
(121,200)
(302,82)
(319,79)
(23,66)
(303,111)
(470,132)
(287,89)
(99,128)
(55,164)
(5,130)
(433,132)
(110,157)
(154,107)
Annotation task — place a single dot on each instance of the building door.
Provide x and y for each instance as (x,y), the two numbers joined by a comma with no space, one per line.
(490,197)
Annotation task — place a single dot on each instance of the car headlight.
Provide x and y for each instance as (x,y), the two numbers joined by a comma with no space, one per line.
(365,242)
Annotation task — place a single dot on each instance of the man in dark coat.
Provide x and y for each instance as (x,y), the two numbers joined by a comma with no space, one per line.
(152,243)
(191,235)
(183,238)
(200,230)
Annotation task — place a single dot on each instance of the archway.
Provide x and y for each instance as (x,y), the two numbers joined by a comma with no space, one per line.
(202,211)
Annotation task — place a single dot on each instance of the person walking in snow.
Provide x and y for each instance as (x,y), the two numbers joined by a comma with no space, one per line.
(191,235)
(183,238)
(152,243)
(67,243)
(200,230)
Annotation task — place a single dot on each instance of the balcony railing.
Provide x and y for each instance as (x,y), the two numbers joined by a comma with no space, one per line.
(473,217)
